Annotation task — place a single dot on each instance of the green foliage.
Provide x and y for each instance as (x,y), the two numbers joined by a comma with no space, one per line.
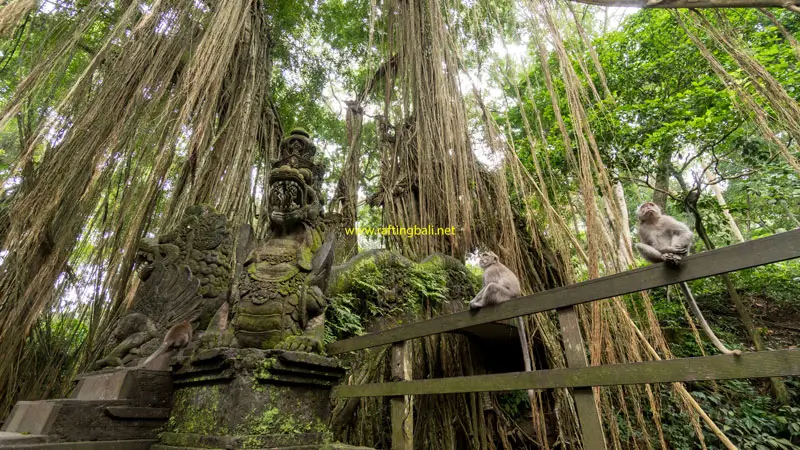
(428,282)
(777,283)
(340,321)
(748,417)
(386,284)
(771,291)
(515,403)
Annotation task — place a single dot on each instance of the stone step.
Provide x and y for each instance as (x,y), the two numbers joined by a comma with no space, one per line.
(190,440)
(141,444)
(10,438)
(141,387)
(81,420)
(334,446)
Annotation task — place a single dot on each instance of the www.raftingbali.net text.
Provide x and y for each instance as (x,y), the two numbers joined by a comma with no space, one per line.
(392,230)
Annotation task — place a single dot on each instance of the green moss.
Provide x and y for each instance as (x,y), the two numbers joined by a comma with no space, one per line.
(299,130)
(196,411)
(267,422)
(304,257)
(387,284)
(274,421)
(263,372)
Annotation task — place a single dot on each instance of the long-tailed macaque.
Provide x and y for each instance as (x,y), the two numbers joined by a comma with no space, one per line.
(664,239)
(499,283)
(177,337)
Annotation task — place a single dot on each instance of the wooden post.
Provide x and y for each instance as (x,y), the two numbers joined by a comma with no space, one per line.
(588,416)
(402,406)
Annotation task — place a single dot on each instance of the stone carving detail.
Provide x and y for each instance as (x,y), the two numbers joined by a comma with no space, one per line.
(185,274)
(281,288)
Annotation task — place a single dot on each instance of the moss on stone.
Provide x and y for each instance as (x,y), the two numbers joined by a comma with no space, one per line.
(263,372)
(196,411)
(387,284)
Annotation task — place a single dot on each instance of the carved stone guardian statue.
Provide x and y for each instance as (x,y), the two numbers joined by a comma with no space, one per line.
(185,275)
(281,288)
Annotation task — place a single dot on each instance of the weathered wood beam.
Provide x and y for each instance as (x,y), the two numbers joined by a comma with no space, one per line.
(676,4)
(402,406)
(574,350)
(776,363)
(762,251)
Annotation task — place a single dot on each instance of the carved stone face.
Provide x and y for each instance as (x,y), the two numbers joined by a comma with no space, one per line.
(294,183)
(291,199)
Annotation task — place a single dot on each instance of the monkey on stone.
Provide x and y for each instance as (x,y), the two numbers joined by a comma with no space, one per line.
(177,337)
(499,283)
(664,239)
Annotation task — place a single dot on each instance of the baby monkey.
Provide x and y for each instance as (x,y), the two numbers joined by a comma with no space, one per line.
(177,337)
(499,283)
(664,239)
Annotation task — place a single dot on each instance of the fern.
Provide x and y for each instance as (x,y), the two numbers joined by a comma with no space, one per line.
(340,319)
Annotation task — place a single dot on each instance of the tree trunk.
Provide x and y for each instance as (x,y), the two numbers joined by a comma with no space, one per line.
(625,249)
(737,233)
(662,178)
(790,214)
(346,196)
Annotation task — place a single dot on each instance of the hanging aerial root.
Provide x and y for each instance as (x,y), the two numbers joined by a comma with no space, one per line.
(706,328)
(12,14)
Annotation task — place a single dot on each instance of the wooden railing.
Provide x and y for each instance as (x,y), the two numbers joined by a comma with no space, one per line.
(579,375)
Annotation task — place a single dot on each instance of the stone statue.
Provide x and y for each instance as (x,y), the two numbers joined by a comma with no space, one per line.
(262,385)
(185,275)
(258,382)
(281,302)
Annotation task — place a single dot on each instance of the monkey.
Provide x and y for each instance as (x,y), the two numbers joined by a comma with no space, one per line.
(664,239)
(499,283)
(178,336)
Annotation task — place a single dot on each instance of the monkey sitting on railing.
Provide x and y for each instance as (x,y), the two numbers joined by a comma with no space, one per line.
(664,239)
(499,283)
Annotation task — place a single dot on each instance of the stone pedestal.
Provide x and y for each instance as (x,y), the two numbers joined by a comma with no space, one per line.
(117,409)
(254,399)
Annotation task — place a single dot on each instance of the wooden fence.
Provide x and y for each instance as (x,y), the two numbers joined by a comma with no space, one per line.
(578,375)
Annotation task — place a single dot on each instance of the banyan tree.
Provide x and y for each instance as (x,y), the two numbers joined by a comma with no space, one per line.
(119,117)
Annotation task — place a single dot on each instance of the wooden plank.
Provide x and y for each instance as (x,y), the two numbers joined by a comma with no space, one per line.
(401,406)
(776,363)
(767,250)
(693,4)
(589,418)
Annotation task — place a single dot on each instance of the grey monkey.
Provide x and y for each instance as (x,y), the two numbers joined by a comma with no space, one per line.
(664,239)
(177,337)
(499,283)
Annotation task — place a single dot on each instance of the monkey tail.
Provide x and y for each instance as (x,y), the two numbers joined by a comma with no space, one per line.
(526,357)
(707,329)
(155,354)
